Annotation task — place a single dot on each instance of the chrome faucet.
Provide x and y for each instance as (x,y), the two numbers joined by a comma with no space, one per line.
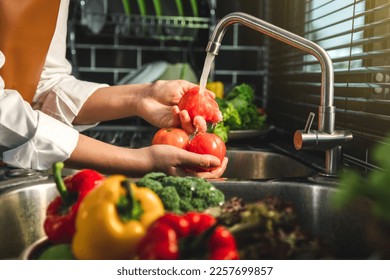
(326,137)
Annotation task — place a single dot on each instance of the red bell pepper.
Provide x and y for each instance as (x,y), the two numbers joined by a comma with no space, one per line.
(190,236)
(59,224)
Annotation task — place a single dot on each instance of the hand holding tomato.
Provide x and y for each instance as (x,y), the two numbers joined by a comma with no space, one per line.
(201,143)
(196,110)
(180,162)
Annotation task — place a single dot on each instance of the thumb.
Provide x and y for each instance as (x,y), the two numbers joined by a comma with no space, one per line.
(204,161)
(200,124)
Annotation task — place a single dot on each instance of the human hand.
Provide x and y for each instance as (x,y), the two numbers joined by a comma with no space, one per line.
(179,162)
(159,106)
(198,125)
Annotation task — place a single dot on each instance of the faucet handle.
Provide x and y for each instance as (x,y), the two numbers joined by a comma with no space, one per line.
(305,135)
(316,139)
(309,122)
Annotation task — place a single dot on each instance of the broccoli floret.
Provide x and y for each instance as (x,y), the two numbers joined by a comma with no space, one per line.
(207,193)
(195,193)
(147,182)
(183,185)
(170,199)
(172,180)
(199,204)
(182,194)
(215,198)
(185,205)
(202,187)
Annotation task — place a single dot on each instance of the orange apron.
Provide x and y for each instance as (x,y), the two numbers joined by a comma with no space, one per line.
(26,31)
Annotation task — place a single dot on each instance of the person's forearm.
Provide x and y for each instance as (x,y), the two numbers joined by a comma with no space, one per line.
(110,103)
(107,159)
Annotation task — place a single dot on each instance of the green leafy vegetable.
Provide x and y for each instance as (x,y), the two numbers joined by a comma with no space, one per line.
(242,92)
(239,111)
(375,186)
(221,130)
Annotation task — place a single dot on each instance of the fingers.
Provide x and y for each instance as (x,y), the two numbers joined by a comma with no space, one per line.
(215,173)
(186,122)
(176,116)
(194,161)
(179,162)
(186,85)
(200,124)
(176,110)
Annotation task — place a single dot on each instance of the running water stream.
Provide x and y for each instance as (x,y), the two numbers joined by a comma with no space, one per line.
(206,71)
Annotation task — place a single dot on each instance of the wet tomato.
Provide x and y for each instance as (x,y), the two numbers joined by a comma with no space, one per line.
(200,104)
(171,136)
(207,143)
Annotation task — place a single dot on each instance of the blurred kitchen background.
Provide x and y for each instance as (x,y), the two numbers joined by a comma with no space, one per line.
(131,41)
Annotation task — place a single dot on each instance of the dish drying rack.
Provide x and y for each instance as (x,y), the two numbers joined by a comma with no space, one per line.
(161,28)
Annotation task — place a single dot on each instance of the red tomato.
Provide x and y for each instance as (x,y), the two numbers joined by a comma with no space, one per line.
(171,136)
(207,143)
(200,104)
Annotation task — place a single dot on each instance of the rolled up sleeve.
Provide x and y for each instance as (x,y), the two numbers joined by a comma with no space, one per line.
(59,94)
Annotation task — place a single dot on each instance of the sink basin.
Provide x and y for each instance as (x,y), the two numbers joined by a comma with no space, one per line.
(244,164)
(344,230)
(22,212)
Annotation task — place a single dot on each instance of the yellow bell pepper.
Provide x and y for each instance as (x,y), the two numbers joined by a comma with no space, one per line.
(216,87)
(113,218)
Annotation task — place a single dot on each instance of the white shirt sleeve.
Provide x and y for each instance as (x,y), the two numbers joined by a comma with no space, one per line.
(30,138)
(60,94)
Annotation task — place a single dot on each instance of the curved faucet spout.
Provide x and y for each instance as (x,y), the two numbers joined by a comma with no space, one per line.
(282,35)
(326,110)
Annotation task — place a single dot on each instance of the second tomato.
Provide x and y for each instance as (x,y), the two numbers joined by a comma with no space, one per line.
(207,143)
(171,136)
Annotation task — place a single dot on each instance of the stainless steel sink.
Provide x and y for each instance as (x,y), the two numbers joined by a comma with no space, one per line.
(22,212)
(245,164)
(345,231)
